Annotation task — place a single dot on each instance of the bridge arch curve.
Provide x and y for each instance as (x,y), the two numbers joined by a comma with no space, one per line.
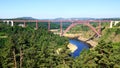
(86,24)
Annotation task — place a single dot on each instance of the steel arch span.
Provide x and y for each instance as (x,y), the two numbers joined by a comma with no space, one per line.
(98,32)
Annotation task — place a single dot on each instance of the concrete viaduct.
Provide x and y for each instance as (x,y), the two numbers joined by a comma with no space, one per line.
(74,23)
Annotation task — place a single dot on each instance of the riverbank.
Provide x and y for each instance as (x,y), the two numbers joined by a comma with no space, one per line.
(90,42)
(79,37)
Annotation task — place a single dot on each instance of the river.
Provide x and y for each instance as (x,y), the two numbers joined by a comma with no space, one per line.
(81,45)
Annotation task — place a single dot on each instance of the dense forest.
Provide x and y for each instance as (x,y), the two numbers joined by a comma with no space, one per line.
(29,48)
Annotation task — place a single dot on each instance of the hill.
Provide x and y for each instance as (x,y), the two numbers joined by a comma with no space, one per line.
(25,18)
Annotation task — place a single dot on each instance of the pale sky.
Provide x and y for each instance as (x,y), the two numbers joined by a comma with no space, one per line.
(43,9)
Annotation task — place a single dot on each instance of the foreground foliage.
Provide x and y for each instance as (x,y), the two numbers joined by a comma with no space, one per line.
(105,55)
(29,48)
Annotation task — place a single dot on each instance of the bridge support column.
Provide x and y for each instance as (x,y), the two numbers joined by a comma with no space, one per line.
(7,22)
(12,23)
(4,21)
(61,31)
(48,25)
(116,22)
(111,23)
(24,24)
(36,24)
(99,27)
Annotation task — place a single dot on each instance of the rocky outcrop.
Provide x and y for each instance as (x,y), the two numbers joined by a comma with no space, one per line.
(72,47)
(72,35)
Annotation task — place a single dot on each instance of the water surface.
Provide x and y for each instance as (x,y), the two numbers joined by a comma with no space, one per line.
(80,46)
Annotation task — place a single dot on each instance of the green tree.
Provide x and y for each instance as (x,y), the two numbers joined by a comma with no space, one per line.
(28,48)
(105,55)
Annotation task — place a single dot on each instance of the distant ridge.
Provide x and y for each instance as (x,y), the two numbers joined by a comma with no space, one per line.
(86,18)
(74,19)
(26,18)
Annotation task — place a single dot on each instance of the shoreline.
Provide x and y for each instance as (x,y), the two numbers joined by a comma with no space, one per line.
(91,43)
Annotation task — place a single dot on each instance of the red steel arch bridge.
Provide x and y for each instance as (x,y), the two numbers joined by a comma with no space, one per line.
(73,24)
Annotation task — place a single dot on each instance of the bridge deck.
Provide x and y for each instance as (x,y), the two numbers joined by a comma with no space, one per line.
(63,21)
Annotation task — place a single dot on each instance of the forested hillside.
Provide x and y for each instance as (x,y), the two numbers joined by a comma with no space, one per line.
(29,48)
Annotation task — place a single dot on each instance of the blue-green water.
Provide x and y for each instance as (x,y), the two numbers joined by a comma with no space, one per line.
(81,45)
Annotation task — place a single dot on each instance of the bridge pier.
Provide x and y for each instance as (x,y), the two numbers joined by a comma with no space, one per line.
(12,23)
(36,24)
(48,25)
(116,22)
(4,21)
(61,31)
(99,27)
(7,22)
(24,24)
(111,23)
